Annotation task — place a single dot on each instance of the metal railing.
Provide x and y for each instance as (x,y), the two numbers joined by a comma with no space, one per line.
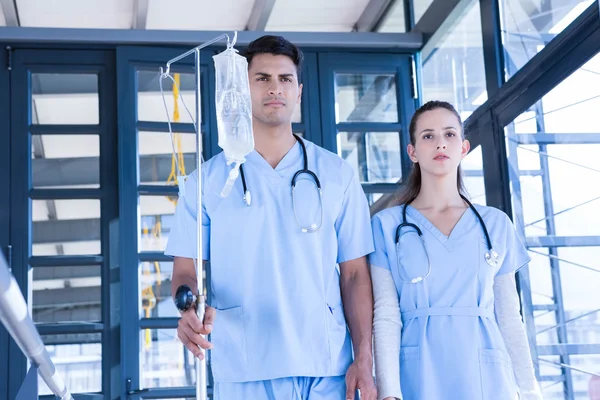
(14,315)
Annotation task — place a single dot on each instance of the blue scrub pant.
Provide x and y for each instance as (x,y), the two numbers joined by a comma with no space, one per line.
(300,388)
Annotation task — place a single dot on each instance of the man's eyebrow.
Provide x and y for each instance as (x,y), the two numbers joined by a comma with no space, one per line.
(266,75)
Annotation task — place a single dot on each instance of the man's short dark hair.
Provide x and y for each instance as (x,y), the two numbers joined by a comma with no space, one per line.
(275,45)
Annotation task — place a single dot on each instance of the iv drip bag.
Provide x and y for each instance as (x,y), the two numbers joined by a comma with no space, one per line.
(234,111)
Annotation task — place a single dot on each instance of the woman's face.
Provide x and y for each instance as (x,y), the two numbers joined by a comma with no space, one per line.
(438,143)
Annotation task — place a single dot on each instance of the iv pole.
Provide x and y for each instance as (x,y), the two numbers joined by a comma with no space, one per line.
(201,392)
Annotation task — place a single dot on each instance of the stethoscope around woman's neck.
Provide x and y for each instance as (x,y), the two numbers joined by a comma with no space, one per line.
(490,256)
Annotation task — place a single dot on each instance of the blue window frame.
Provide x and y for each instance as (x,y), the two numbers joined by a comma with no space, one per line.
(4,202)
(366,105)
(35,140)
(147,201)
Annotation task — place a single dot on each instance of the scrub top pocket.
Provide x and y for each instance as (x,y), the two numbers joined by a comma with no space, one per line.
(229,354)
(410,372)
(497,381)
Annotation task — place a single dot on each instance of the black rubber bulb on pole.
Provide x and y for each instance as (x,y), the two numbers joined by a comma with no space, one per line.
(184,298)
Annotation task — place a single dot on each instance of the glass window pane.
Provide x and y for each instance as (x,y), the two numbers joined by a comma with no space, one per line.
(585,384)
(472,167)
(573,201)
(453,70)
(150,105)
(528,26)
(65,161)
(420,6)
(79,364)
(158,165)
(395,20)
(568,107)
(156,220)
(375,156)
(69,99)
(65,227)
(556,197)
(365,98)
(164,361)
(155,286)
(66,294)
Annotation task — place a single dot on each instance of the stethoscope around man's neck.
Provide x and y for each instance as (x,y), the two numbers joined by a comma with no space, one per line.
(312,227)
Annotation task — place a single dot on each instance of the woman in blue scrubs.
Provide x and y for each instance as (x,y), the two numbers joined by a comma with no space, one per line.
(447,322)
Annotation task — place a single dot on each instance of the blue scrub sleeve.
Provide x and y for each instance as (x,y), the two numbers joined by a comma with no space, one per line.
(352,225)
(379,257)
(516,253)
(182,237)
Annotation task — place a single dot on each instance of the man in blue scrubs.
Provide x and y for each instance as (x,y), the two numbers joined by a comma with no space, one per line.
(291,308)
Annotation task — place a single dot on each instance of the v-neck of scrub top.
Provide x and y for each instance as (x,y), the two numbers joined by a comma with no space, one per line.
(279,173)
(462,226)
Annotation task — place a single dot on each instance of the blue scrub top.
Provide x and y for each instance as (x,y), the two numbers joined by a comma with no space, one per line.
(275,288)
(451,343)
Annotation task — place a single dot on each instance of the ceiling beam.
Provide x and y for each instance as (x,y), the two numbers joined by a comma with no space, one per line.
(140,14)
(11,15)
(259,16)
(373,15)
(74,36)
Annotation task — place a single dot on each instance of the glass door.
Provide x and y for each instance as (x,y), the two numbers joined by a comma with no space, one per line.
(366,105)
(63,197)
(155,363)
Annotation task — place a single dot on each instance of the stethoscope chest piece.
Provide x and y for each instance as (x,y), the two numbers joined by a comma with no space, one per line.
(492,258)
(248,198)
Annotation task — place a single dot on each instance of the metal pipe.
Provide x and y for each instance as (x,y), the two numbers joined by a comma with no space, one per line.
(200,364)
(196,50)
(201,389)
(14,315)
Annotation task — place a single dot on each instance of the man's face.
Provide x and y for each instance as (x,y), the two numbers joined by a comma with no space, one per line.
(274,89)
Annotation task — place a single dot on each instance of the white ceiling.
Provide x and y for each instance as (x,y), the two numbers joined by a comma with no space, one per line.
(198,14)
(286,15)
(111,14)
(315,15)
